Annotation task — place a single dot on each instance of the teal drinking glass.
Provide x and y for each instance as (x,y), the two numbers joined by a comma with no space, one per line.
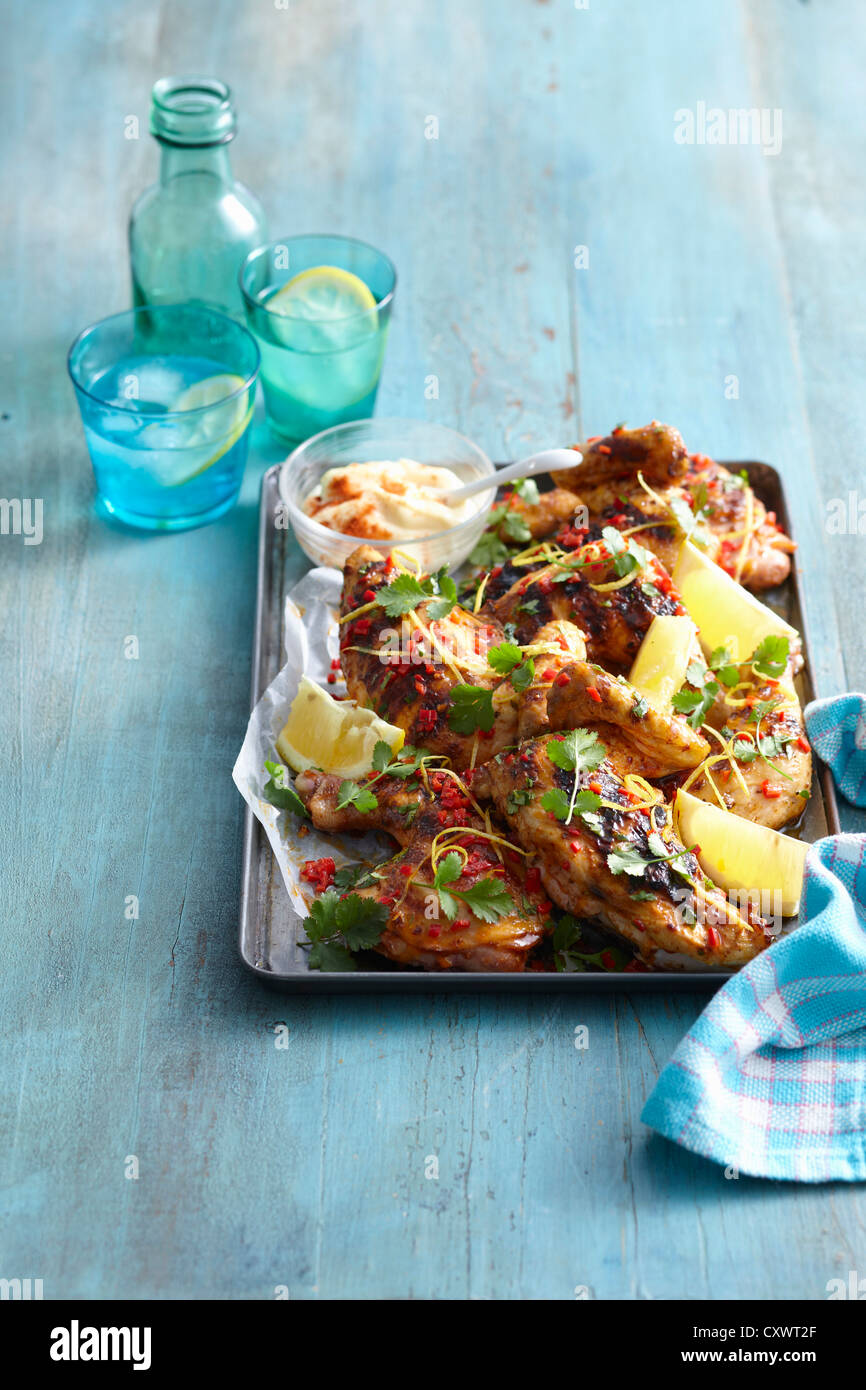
(166,396)
(319,307)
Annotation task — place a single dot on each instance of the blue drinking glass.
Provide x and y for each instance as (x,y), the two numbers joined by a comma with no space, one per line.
(166,396)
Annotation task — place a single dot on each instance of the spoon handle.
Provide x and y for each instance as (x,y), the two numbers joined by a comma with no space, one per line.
(548,461)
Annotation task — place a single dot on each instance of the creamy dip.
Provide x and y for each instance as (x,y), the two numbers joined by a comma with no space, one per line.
(395,500)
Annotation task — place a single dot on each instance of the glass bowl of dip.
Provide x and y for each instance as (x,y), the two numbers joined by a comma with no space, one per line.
(400,510)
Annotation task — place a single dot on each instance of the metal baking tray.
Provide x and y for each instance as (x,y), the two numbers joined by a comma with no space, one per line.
(270,929)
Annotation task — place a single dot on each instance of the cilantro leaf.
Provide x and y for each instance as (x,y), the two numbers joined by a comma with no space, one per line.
(626,860)
(353,876)
(761,709)
(656,845)
(488,898)
(527,491)
(350,794)
(513,527)
(381,755)
(528,605)
(744,750)
(568,937)
(278,792)
(325,955)
(360,921)
(447,591)
(402,595)
(774,745)
(448,870)
(771,656)
(614,540)
(556,802)
(488,551)
(580,751)
(519,796)
(523,677)
(339,924)
(561,806)
(724,666)
(471,709)
(696,703)
(504,657)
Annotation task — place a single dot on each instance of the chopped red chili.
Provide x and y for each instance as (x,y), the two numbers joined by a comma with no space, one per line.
(319,872)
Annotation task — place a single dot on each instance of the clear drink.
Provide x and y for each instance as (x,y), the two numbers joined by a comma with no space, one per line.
(167,430)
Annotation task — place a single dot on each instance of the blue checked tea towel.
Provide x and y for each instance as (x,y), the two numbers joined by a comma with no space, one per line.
(771,1080)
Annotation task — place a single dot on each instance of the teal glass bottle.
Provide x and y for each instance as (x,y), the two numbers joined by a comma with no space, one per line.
(189,233)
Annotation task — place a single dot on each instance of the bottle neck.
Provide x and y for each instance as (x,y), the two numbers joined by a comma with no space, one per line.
(202,159)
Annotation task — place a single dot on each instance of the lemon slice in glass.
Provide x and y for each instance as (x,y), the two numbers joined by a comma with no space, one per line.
(182,451)
(660,666)
(736,853)
(324,292)
(324,309)
(724,611)
(334,735)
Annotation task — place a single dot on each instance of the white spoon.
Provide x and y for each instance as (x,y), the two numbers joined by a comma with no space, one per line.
(549,461)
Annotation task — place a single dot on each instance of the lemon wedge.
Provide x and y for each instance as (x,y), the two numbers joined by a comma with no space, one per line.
(736,853)
(724,611)
(334,735)
(660,666)
(323,293)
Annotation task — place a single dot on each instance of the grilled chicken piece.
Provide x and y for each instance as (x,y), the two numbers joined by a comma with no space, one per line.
(655,450)
(419,931)
(664,743)
(545,516)
(776,782)
(614,623)
(634,510)
(608,485)
(662,907)
(390,666)
(554,647)
(400,803)
(729,498)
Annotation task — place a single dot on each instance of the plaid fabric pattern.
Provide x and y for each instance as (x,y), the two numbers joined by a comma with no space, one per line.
(771,1080)
(837,728)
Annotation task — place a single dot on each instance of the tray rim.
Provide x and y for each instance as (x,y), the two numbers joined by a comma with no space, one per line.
(430,982)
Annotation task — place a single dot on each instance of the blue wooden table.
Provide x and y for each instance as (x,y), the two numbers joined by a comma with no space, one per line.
(565,263)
